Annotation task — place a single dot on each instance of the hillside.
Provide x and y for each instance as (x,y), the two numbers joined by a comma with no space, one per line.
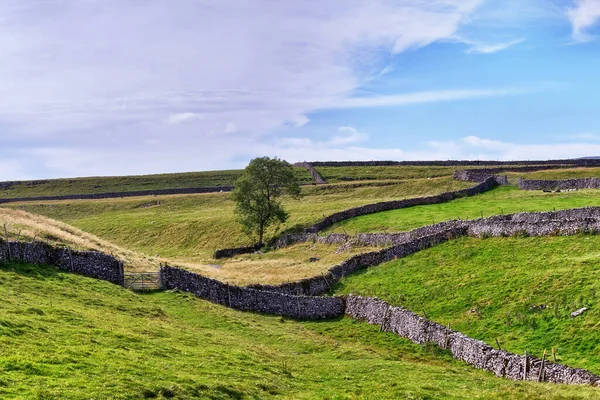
(520,291)
(188,228)
(88,185)
(70,337)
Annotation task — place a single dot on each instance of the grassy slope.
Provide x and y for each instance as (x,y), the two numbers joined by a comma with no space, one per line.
(518,290)
(70,337)
(189,228)
(507,199)
(333,174)
(53,187)
(567,173)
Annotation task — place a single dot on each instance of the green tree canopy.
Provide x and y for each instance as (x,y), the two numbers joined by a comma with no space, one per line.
(257,194)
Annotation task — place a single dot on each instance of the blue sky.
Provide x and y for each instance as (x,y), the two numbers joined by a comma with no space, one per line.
(113,87)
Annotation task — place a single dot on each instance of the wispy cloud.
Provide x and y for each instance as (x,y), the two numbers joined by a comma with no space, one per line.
(583,16)
(425,97)
(180,118)
(488,48)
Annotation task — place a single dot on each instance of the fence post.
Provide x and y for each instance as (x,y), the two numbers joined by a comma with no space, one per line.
(7,243)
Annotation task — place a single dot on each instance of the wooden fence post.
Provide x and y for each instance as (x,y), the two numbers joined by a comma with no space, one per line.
(7,243)
(541,374)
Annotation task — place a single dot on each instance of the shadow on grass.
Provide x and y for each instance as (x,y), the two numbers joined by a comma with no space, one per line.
(31,270)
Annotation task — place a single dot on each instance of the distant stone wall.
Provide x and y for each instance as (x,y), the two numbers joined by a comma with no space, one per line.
(319,180)
(89,263)
(540,184)
(248,299)
(566,222)
(474,352)
(234,251)
(479,176)
(111,195)
(488,184)
(452,163)
(322,283)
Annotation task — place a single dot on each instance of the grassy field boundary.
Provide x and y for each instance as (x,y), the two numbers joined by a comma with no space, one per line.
(487,184)
(114,195)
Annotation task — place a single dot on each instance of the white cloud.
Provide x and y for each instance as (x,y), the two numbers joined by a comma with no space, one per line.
(349,135)
(487,48)
(230,127)
(113,75)
(583,16)
(180,118)
(424,97)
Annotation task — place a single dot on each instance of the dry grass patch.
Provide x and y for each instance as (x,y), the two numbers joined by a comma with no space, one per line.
(275,267)
(26,226)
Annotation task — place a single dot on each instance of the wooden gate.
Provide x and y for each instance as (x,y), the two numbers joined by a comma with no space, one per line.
(141,281)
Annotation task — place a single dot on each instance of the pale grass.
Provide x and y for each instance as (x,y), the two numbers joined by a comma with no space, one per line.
(26,226)
(279,266)
(274,267)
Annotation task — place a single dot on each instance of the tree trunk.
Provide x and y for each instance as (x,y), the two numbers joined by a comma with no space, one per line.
(261,232)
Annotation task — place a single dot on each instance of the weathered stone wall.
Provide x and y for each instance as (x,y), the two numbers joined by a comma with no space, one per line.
(88,263)
(474,352)
(565,222)
(322,283)
(248,299)
(452,163)
(319,180)
(110,195)
(471,175)
(488,184)
(542,184)
(234,251)
(310,233)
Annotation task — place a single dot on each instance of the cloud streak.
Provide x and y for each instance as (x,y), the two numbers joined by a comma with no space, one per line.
(424,97)
(487,48)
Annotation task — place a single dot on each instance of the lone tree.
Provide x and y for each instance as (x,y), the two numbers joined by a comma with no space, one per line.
(257,192)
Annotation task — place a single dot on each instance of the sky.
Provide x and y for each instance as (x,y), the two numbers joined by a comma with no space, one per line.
(121,87)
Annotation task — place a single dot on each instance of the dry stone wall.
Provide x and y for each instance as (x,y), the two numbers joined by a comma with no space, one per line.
(110,195)
(248,299)
(234,251)
(89,263)
(319,180)
(480,355)
(540,184)
(452,163)
(322,283)
(484,186)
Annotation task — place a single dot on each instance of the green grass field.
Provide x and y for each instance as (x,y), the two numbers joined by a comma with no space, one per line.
(63,336)
(66,336)
(337,174)
(502,200)
(53,187)
(567,173)
(189,228)
(520,291)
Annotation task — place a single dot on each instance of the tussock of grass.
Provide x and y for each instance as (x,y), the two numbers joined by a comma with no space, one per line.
(70,337)
(520,291)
